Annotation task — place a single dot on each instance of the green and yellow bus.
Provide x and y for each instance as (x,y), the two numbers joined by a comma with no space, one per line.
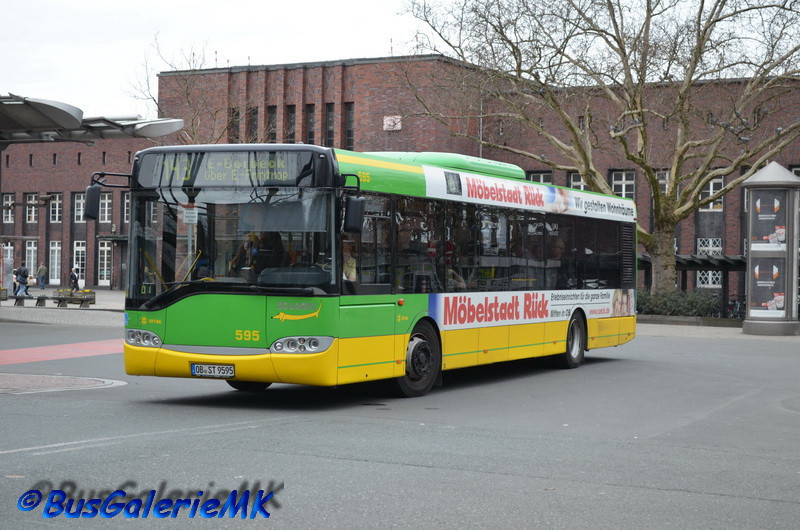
(268,263)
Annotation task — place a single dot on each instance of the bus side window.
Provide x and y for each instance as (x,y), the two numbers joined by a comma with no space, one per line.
(419,238)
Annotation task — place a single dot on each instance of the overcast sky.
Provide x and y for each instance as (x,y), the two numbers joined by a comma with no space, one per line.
(91,53)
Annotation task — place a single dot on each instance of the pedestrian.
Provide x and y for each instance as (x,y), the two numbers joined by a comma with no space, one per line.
(73,280)
(22,280)
(41,274)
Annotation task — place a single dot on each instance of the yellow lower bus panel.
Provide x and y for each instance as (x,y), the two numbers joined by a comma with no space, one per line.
(366,359)
(459,348)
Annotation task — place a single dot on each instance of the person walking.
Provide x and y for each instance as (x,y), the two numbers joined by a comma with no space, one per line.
(73,280)
(22,280)
(41,274)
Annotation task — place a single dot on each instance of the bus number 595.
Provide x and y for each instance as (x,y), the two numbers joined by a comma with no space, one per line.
(247,334)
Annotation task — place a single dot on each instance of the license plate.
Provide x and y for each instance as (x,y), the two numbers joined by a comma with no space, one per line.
(213,370)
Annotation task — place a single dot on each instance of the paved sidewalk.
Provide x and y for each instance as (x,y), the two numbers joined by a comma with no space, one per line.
(107,311)
(104,299)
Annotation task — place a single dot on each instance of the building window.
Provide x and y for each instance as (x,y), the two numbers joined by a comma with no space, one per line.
(79,204)
(126,207)
(79,258)
(56,207)
(31,251)
(130,156)
(30,159)
(582,123)
(153,212)
(310,120)
(8,208)
(709,279)
(55,159)
(8,252)
(542,177)
(758,115)
(623,184)
(272,124)
(349,126)
(709,246)
(233,125)
(80,158)
(104,262)
(31,209)
(252,125)
(8,160)
(663,180)
(105,157)
(105,208)
(575,181)
(291,121)
(713,186)
(55,262)
(329,124)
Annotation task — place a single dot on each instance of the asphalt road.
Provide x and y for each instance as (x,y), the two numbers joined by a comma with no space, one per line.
(682,428)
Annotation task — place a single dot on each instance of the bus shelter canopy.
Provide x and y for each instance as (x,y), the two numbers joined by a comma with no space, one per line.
(27,120)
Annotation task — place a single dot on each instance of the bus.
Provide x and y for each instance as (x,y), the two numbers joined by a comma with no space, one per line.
(267,263)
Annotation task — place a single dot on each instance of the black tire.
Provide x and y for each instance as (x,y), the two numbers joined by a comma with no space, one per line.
(248,386)
(576,342)
(423,361)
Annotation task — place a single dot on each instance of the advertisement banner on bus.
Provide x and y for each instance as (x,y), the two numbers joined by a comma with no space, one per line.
(458,185)
(469,310)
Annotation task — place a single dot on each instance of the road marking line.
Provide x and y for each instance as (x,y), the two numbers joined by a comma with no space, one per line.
(60,351)
(213,428)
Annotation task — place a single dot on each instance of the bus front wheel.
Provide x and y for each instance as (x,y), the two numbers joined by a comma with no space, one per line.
(423,361)
(248,386)
(576,342)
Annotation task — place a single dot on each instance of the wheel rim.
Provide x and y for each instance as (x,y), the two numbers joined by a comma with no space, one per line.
(418,358)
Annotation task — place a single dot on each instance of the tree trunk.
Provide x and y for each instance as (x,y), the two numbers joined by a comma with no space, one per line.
(662,252)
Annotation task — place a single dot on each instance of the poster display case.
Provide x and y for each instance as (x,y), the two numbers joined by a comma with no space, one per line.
(772,257)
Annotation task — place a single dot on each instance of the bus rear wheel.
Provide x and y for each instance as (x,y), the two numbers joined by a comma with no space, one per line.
(576,342)
(423,361)
(248,386)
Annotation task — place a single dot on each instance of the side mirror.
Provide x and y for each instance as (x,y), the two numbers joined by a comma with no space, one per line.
(353,213)
(92,208)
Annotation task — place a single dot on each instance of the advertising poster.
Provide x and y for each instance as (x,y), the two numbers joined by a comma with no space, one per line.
(768,218)
(768,287)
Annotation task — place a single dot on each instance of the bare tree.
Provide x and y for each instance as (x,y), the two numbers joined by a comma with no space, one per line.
(174,89)
(690,92)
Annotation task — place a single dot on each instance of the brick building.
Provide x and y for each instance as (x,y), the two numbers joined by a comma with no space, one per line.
(43,199)
(361,104)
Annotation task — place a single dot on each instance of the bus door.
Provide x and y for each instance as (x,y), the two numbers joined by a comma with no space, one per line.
(368,310)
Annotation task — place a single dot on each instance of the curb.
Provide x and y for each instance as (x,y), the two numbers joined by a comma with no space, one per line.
(690,321)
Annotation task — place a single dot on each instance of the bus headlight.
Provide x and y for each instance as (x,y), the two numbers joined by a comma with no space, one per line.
(138,337)
(301,345)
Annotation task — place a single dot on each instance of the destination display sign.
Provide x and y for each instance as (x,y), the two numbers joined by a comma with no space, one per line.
(226,168)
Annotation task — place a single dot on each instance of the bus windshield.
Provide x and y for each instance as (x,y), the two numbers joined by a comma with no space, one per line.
(256,239)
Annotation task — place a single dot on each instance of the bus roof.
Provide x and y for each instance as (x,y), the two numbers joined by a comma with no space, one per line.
(472,164)
(470,179)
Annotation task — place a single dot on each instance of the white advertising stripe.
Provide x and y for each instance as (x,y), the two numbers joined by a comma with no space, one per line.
(462,311)
(468,187)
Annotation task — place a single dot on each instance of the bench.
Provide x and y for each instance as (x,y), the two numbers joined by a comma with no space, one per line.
(19,300)
(59,300)
(63,300)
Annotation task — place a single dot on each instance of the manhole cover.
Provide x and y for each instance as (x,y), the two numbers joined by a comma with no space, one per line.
(29,383)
